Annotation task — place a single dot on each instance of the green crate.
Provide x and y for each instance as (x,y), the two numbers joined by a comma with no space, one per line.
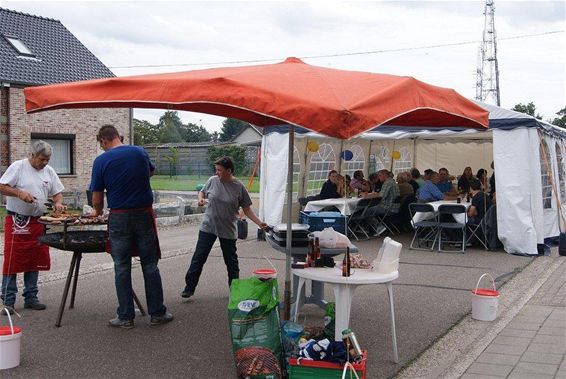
(323,370)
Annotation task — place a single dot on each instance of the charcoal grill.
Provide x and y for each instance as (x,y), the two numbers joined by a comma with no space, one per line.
(79,242)
(85,241)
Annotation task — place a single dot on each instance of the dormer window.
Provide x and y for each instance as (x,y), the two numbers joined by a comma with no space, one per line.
(19,46)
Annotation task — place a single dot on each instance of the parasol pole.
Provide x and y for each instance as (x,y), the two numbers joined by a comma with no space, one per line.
(288,241)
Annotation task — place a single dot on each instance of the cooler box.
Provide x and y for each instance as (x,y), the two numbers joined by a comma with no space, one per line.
(323,370)
(320,220)
(299,237)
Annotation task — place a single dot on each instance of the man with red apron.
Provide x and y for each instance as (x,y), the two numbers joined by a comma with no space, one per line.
(27,184)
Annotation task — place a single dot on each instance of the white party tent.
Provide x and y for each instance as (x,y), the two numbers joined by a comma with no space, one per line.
(529,157)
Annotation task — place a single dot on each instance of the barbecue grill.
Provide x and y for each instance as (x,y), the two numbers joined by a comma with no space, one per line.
(79,242)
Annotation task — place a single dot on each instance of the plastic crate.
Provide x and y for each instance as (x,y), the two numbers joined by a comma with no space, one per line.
(318,223)
(323,370)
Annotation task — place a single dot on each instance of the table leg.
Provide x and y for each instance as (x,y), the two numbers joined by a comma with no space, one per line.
(343,294)
(75,279)
(66,289)
(393,332)
(138,303)
(297,304)
(317,294)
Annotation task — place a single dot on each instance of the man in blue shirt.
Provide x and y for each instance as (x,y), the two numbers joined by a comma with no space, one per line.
(444,184)
(429,190)
(124,172)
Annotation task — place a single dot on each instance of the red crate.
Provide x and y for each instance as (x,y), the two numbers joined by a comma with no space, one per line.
(306,369)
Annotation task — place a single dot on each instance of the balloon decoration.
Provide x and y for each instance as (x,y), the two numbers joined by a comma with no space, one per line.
(312,146)
(396,154)
(347,155)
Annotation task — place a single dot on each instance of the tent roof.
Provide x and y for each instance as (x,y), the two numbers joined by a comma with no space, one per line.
(499,118)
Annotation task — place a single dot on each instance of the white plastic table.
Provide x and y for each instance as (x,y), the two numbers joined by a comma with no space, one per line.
(317,288)
(345,206)
(459,217)
(344,288)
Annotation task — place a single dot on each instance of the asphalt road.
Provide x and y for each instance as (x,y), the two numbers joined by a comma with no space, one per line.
(431,295)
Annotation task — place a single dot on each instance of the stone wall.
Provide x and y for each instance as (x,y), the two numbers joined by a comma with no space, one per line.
(83,124)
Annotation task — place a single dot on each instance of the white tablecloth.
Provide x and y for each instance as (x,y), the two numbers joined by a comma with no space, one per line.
(345,206)
(461,218)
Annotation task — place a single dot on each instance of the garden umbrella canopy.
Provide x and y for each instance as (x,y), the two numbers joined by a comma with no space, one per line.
(337,103)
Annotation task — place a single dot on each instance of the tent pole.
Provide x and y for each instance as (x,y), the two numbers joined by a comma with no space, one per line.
(289,239)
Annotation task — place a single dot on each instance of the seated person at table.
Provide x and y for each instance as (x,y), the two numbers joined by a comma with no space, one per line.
(389,192)
(480,202)
(416,179)
(426,175)
(481,175)
(374,182)
(444,183)
(329,189)
(358,183)
(464,181)
(403,183)
(430,192)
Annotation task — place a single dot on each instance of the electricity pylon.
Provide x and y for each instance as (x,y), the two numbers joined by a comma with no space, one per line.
(487,74)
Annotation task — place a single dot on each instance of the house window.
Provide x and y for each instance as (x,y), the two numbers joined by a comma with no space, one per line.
(321,163)
(19,46)
(62,156)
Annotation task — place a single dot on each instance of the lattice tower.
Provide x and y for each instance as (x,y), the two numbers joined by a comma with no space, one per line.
(487,74)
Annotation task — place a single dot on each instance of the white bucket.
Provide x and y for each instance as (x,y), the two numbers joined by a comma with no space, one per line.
(485,301)
(9,345)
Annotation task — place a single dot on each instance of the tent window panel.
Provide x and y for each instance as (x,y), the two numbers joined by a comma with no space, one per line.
(321,163)
(356,163)
(379,159)
(561,172)
(404,163)
(296,172)
(545,176)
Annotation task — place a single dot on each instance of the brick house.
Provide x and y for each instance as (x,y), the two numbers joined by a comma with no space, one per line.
(36,51)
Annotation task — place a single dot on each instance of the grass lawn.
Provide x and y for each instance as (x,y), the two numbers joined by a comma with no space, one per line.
(190,182)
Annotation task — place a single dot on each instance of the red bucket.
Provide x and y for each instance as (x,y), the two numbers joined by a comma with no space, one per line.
(265,273)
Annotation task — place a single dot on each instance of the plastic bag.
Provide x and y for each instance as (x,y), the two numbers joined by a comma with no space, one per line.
(331,239)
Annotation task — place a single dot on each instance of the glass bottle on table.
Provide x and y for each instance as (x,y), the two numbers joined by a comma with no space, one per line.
(316,252)
(346,263)
(310,253)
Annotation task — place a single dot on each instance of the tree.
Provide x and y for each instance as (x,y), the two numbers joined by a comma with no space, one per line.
(173,159)
(231,127)
(195,133)
(145,132)
(238,154)
(529,109)
(215,137)
(560,121)
(170,126)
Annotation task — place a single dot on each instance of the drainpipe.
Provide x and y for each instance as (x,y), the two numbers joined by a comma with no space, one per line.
(5,89)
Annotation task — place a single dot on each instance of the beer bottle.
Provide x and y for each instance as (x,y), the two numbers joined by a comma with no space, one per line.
(310,253)
(346,263)
(316,254)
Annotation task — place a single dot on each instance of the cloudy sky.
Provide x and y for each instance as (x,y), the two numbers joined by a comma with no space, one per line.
(433,41)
